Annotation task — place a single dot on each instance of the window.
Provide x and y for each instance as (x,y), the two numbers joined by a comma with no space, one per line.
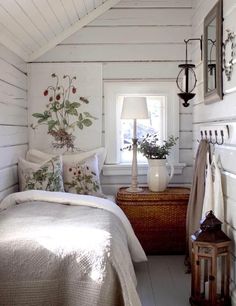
(155,124)
(163,106)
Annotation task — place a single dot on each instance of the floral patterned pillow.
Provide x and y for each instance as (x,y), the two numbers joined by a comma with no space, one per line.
(47,176)
(82,177)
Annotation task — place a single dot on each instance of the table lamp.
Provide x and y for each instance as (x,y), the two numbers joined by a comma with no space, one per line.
(134,108)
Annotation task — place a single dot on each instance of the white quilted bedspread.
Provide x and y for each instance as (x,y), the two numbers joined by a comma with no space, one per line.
(60,249)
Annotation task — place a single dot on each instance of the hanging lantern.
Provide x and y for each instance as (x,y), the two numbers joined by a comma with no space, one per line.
(186,79)
(210,264)
(186,74)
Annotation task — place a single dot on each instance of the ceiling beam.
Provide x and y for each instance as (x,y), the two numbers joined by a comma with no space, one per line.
(74,28)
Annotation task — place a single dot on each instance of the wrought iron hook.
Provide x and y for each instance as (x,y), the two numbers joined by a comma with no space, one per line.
(211,140)
(222,138)
(201,132)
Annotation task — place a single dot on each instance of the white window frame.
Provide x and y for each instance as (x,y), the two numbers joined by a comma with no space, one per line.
(113,89)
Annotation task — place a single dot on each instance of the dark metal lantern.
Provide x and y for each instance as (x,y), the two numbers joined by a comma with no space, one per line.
(186,79)
(210,264)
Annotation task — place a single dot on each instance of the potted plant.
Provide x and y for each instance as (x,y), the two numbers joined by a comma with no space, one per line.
(156,153)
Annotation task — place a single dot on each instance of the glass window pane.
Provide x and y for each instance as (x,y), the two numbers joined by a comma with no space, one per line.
(155,124)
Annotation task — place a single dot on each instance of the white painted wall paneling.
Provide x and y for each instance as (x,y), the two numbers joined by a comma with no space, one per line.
(13,76)
(143,42)
(219,111)
(145,16)
(14,27)
(10,155)
(9,57)
(13,135)
(13,118)
(10,40)
(110,184)
(141,70)
(7,191)
(81,9)
(75,9)
(155,3)
(113,53)
(223,112)
(30,28)
(13,115)
(25,25)
(129,35)
(10,177)
(185,140)
(32,12)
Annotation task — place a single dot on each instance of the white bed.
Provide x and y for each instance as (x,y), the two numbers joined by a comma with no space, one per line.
(66,249)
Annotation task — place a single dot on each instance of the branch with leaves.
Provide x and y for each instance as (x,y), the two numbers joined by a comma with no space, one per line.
(150,146)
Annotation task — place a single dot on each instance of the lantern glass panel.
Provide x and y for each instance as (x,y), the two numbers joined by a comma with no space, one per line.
(205,272)
(186,80)
(221,277)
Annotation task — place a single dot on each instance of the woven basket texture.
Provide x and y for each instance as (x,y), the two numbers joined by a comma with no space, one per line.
(158,218)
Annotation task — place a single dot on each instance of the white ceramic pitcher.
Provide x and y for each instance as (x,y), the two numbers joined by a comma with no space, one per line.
(158,177)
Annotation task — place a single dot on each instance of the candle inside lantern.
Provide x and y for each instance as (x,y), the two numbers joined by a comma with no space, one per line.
(207,290)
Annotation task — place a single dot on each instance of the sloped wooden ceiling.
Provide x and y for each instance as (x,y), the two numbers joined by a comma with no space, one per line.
(32,27)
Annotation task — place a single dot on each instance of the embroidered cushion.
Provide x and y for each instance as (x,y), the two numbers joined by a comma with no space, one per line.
(82,176)
(45,176)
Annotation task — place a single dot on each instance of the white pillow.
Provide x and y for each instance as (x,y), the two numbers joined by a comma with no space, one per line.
(82,176)
(45,176)
(37,156)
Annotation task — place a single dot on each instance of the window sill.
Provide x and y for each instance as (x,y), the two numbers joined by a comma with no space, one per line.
(125,169)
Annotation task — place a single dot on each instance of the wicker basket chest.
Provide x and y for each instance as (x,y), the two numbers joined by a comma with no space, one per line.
(158,218)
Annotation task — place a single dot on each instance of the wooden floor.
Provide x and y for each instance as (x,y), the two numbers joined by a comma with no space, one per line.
(162,281)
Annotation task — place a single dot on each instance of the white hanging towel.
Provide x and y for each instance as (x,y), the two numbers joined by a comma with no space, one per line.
(218,204)
(217,192)
(208,202)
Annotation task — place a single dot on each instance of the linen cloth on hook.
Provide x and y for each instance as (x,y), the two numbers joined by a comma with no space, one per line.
(213,197)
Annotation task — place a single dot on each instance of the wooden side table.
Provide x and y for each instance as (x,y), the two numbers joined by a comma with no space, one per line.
(158,218)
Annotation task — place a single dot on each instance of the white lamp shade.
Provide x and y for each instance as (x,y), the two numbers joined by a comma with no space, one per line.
(134,108)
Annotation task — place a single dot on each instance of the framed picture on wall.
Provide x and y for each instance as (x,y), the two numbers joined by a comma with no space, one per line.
(65,109)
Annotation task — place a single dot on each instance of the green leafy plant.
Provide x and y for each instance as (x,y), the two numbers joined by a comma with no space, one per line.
(150,146)
(62,114)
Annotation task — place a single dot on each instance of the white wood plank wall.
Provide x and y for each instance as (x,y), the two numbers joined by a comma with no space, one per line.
(13,118)
(223,112)
(136,40)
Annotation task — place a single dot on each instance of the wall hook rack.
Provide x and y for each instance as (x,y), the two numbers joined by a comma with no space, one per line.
(215,134)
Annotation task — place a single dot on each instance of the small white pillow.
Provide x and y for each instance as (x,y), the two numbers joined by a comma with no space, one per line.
(46,176)
(82,176)
(37,156)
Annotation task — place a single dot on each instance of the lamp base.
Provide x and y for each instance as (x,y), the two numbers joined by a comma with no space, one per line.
(134,189)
